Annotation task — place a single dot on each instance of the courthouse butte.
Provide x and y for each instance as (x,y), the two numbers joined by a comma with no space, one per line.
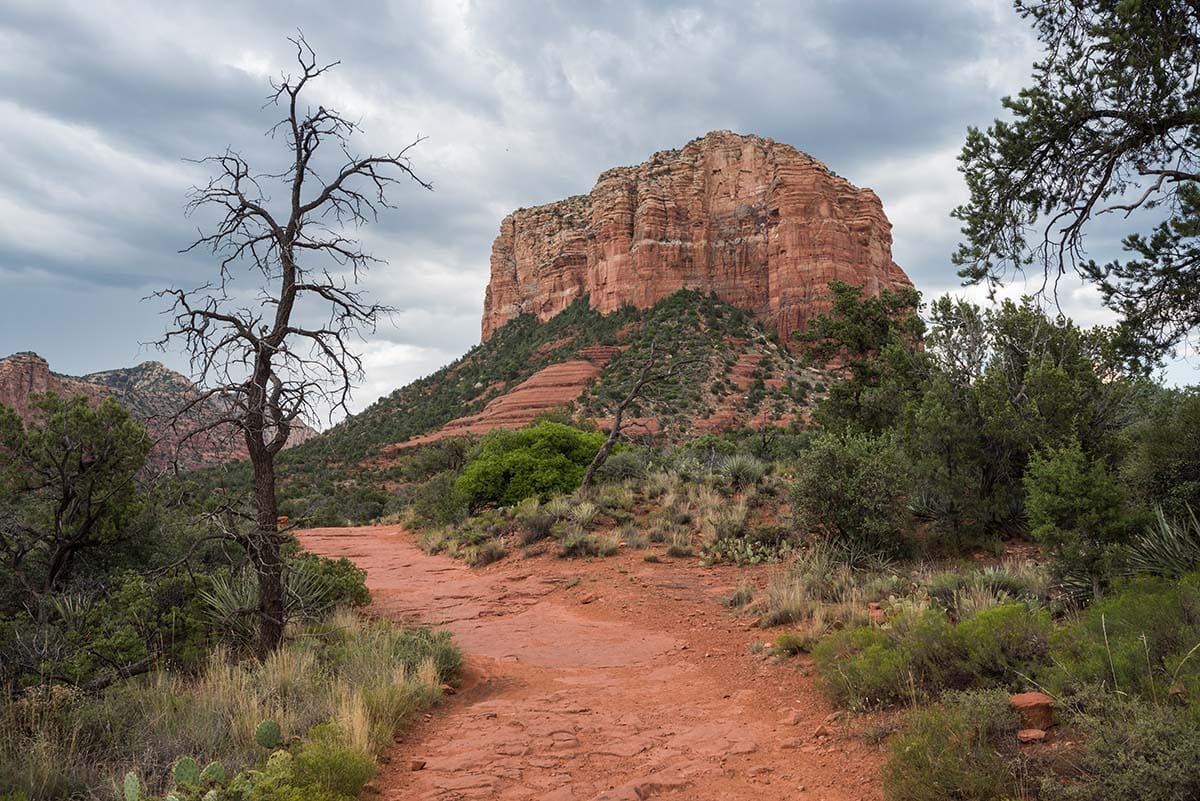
(755,221)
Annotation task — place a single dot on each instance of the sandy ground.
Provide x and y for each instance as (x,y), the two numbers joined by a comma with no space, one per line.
(612,679)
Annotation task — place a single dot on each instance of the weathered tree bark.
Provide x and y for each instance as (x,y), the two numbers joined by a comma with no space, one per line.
(269,367)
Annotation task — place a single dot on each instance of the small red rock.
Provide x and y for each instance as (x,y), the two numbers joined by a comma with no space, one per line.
(418,764)
(1036,709)
(1031,735)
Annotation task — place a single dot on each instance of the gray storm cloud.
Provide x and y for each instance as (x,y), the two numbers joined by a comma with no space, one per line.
(522,103)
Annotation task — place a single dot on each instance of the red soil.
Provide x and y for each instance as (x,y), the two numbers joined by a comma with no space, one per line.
(611,679)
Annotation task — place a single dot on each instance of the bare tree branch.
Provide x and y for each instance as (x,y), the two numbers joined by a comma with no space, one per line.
(261,357)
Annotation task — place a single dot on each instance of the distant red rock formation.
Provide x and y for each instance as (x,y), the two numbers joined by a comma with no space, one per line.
(757,222)
(150,391)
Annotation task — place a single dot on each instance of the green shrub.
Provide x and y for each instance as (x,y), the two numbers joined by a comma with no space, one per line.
(439,501)
(1133,750)
(863,668)
(962,749)
(921,654)
(790,643)
(538,461)
(1163,465)
(996,643)
(327,761)
(851,490)
(1138,641)
(624,464)
(342,582)
(1074,509)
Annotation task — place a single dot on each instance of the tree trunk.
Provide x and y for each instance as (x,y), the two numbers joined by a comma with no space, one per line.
(602,455)
(265,554)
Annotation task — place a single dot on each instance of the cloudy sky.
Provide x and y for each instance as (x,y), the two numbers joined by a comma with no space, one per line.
(522,102)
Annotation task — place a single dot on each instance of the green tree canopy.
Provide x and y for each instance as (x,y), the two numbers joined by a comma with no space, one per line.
(67,485)
(1110,125)
(874,342)
(540,460)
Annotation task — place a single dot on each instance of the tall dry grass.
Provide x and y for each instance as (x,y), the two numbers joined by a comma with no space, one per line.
(366,678)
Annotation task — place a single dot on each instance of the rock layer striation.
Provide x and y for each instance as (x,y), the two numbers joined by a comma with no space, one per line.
(760,224)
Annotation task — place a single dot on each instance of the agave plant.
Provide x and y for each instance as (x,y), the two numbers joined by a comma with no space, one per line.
(1169,546)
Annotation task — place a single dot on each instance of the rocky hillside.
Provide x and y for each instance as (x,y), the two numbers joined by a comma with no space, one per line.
(760,224)
(150,391)
(576,363)
(725,246)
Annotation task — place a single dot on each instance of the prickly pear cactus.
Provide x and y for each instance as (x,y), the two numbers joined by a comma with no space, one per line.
(213,773)
(186,772)
(132,787)
(268,735)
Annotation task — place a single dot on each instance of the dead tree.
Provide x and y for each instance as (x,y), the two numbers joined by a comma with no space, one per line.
(651,374)
(283,350)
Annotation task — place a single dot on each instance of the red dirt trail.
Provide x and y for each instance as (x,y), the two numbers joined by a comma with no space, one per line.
(605,680)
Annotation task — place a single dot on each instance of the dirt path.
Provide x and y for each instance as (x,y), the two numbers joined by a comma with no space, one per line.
(610,679)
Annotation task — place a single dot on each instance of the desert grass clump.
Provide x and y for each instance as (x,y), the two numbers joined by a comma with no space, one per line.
(741,596)
(584,513)
(366,679)
(615,498)
(560,507)
(608,544)
(657,484)
(576,542)
(679,543)
(726,522)
(484,553)
(633,537)
(536,520)
(819,577)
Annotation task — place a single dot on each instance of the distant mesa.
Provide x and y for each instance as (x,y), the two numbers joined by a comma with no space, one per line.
(152,393)
(760,224)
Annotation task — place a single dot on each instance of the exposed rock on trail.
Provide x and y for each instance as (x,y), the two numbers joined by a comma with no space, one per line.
(647,690)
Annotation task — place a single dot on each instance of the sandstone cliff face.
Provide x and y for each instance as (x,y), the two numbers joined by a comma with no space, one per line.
(150,391)
(759,223)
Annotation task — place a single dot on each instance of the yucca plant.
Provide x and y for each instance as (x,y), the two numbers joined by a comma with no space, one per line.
(1168,547)
(743,471)
(232,599)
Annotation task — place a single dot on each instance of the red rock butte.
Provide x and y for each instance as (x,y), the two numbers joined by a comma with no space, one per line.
(760,224)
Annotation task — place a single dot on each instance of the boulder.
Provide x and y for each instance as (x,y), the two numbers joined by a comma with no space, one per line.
(1036,710)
